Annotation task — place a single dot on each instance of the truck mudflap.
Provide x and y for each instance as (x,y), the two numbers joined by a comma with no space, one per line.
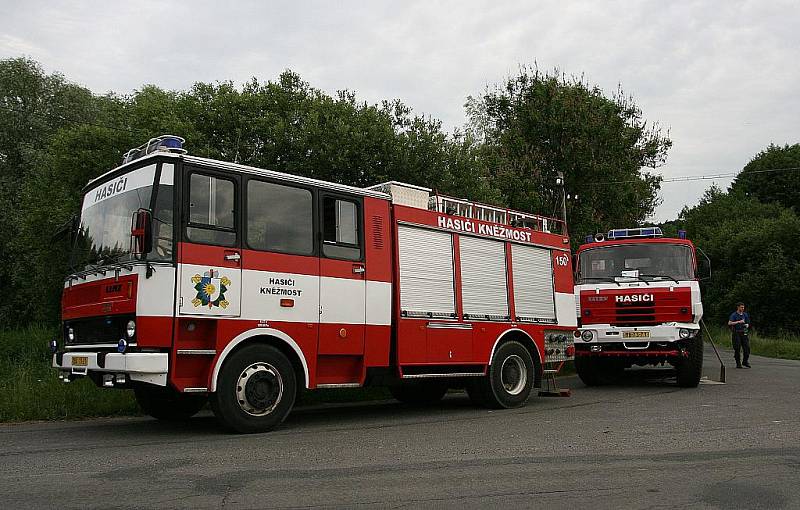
(148,367)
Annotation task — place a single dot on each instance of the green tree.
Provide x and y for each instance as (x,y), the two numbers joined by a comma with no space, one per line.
(752,248)
(772,176)
(541,124)
(33,107)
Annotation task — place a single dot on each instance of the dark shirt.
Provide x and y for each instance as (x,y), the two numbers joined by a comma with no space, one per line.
(736,316)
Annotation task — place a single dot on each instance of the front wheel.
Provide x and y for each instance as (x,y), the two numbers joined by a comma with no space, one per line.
(165,403)
(255,391)
(690,369)
(589,370)
(509,381)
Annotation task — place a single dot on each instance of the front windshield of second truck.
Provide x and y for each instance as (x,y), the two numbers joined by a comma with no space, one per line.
(650,262)
(105,228)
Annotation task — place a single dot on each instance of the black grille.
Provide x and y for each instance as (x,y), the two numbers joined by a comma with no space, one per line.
(100,330)
(636,314)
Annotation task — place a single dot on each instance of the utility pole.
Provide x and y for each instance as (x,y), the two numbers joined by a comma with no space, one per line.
(560,182)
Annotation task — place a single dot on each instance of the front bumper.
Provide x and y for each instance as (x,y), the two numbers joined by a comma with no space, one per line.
(148,367)
(663,333)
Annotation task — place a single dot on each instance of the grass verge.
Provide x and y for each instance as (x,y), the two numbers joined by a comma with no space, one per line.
(784,346)
(30,389)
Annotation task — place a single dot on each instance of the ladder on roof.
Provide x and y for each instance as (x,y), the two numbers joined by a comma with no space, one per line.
(484,212)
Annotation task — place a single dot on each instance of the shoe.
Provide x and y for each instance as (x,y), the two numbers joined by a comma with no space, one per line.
(746,364)
(738,365)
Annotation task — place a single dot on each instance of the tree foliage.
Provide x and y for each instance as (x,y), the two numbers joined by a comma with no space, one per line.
(541,124)
(772,176)
(752,245)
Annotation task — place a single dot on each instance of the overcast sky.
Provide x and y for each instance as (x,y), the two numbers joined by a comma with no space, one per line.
(724,77)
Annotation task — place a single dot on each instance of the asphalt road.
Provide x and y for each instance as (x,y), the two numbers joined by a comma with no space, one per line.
(642,443)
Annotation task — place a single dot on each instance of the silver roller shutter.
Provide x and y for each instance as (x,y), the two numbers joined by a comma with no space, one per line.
(426,272)
(533,284)
(484,292)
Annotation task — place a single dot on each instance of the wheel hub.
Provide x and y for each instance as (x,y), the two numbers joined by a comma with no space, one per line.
(259,389)
(513,375)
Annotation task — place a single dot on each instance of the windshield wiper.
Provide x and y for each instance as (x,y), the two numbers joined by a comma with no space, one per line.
(638,278)
(661,276)
(603,278)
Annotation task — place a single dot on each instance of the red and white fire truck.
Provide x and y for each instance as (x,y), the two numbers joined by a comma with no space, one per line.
(204,280)
(638,301)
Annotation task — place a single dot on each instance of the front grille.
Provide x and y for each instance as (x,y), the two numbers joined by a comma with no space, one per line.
(99,330)
(635,314)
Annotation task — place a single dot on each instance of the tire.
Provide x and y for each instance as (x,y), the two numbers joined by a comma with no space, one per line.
(510,379)
(419,392)
(165,403)
(690,369)
(256,389)
(589,370)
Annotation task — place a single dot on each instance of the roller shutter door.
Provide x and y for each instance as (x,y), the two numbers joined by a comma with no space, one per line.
(426,273)
(533,284)
(484,292)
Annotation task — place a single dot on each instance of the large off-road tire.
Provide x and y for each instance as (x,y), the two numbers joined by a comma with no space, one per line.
(165,403)
(418,392)
(256,389)
(509,381)
(590,370)
(690,369)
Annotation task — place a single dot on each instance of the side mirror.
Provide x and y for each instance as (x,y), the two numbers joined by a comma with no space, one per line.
(703,266)
(141,233)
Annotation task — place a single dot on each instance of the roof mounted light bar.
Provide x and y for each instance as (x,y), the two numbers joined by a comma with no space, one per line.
(166,143)
(627,233)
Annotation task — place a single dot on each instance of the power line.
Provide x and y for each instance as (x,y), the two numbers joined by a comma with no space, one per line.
(688,178)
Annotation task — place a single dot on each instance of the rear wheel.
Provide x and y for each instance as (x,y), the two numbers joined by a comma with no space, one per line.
(255,391)
(510,379)
(690,369)
(418,392)
(165,403)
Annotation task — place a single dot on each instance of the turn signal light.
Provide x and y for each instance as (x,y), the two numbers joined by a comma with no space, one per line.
(287,303)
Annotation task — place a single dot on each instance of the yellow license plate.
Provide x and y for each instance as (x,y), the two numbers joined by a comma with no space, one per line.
(80,361)
(635,334)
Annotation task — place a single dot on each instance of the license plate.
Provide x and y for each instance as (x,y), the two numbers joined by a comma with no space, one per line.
(635,334)
(80,361)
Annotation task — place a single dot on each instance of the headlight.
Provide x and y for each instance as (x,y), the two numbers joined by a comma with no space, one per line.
(587,336)
(71,334)
(130,329)
(684,333)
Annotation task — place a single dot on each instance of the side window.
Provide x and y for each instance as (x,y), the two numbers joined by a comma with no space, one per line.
(279,218)
(211,210)
(340,236)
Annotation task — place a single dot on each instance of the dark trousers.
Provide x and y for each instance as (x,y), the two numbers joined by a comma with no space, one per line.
(740,342)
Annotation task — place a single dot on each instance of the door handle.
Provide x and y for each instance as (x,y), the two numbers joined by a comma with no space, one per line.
(233,256)
(358,269)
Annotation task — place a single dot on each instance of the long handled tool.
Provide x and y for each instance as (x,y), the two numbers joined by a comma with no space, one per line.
(711,339)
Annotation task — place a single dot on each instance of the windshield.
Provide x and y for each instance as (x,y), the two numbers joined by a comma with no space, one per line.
(105,227)
(652,261)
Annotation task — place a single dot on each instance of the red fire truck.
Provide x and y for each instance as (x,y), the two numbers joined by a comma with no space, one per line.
(199,280)
(638,304)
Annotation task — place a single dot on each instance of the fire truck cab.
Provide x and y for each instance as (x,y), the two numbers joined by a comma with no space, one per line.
(638,302)
(201,280)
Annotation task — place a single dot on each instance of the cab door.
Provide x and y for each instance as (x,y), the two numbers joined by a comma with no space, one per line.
(342,282)
(210,256)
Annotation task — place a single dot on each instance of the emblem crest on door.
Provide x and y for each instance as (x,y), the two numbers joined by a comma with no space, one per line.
(211,288)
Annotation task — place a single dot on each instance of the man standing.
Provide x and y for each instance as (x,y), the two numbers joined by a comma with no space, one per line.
(739,322)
